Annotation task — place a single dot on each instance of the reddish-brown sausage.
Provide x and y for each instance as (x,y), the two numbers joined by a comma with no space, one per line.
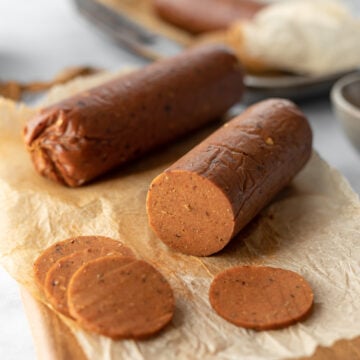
(198,204)
(199,16)
(82,137)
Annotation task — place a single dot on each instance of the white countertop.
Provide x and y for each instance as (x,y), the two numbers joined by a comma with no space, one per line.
(38,38)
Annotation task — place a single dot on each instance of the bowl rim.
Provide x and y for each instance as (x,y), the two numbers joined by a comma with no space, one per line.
(337,95)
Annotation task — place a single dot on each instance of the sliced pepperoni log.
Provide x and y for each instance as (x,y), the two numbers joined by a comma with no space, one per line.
(97,244)
(199,16)
(82,137)
(204,199)
(261,298)
(59,275)
(120,297)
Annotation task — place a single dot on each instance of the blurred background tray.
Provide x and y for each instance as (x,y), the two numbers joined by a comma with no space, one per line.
(133,25)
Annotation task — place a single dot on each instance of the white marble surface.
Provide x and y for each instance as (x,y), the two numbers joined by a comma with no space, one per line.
(40,37)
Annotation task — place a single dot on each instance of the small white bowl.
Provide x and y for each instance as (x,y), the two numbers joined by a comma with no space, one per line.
(345,97)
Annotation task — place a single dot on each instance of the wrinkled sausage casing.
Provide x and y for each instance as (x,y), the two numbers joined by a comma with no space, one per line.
(204,199)
(82,137)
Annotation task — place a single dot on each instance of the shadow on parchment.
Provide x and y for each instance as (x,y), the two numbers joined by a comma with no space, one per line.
(260,240)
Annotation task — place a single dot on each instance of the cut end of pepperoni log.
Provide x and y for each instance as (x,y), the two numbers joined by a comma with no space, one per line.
(189,213)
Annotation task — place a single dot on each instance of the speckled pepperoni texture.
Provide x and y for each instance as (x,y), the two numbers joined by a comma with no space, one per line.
(82,137)
(59,275)
(199,16)
(261,298)
(204,199)
(98,244)
(120,297)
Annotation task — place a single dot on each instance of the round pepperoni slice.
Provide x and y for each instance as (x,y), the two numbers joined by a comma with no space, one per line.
(261,298)
(59,275)
(64,248)
(120,297)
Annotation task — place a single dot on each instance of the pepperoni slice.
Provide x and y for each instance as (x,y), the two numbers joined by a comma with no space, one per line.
(261,298)
(120,297)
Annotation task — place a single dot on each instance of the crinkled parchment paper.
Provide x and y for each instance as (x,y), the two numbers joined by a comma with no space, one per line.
(312,227)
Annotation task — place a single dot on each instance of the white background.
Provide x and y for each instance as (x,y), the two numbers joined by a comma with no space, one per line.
(38,38)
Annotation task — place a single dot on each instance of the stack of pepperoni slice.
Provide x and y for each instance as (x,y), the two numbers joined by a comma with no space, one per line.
(98,282)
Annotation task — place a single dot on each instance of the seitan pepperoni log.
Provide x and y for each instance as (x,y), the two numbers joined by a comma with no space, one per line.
(199,16)
(198,204)
(82,137)
(261,297)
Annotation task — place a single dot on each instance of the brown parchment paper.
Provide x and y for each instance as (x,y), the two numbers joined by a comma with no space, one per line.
(312,227)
